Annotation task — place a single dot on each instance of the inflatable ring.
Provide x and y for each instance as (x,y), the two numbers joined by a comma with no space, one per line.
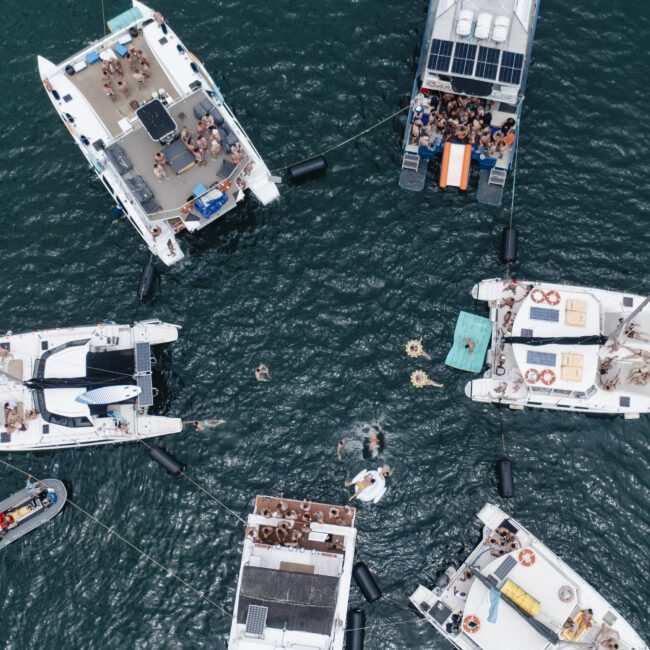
(537,295)
(553,298)
(471,624)
(527,557)
(565,594)
(532,376)
(547,377)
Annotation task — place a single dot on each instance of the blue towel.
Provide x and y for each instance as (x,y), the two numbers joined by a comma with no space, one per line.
(495,597)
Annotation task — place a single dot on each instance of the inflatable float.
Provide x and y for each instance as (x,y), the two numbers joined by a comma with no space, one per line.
(369,492)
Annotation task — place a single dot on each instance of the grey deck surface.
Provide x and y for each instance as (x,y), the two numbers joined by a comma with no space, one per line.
(487,193)
(414,180)
(298,601)
(90,84)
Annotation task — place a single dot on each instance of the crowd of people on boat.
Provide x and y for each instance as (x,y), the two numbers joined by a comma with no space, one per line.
(113,77)
(459,118)
(13,420)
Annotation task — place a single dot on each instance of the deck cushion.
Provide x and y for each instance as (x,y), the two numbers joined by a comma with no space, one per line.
(92,57)
(118,157)
(120,50)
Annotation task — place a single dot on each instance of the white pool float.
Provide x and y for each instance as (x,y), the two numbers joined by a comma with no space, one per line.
(373,492)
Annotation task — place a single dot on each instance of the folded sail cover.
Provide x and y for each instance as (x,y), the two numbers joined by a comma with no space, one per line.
(476,329)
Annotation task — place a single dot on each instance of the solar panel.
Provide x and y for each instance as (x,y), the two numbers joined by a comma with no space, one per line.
(542,313)
(440,55)
(256,620)
(142,357)
(487,63)
(511,64)
(535,358)
(145,398)
(464,58)
(506,567)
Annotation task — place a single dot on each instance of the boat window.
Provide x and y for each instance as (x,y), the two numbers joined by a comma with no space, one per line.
(590,391)
(534,357)
(440,55)
(543,313)
(511,65)
(464,56)
(487,63)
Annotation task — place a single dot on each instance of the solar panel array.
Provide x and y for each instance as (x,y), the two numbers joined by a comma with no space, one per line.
(464,56)
(487,63)
(146,396)
(440,55)
(465,59)
(142,357)
(535,358)
(256,620)
(511,65)
(506,567)
(542,313)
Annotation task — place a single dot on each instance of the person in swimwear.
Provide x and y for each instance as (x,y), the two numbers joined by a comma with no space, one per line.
(262,373)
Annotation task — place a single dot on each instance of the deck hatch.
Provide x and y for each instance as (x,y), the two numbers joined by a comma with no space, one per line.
(256,620)
(543,313)
(506,567)
(487,63)
(145,398)
(511,65)
(464,57)
(440,55)
(142,357)
(535,358)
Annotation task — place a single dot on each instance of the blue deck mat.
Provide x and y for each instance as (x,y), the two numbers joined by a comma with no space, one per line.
(124,19)
(477,328)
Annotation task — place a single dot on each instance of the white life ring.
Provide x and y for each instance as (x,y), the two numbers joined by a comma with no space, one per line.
(374,492)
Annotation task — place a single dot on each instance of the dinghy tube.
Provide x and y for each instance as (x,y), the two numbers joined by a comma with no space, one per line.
(166,461)
(355,629)
(366,582)
(147,286)
(307,168)
(505,481)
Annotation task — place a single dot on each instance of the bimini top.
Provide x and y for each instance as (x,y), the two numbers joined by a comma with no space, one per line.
(481,41)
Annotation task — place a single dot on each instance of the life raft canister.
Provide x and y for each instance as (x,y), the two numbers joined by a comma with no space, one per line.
(471,624)
(527,557)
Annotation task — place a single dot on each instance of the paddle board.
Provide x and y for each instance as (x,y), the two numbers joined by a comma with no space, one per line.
(109,394)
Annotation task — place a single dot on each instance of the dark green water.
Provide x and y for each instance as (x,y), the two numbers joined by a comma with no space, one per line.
(325,287)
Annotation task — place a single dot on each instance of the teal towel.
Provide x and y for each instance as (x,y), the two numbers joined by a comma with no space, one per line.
(479,330)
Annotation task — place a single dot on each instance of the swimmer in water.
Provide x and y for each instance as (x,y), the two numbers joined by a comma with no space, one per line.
(339,448)
(262,373)
(200,425)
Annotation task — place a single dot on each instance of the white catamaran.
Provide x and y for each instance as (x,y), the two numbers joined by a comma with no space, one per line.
(565,347)
(79,386)
(139,98)
(468,93)
(295,576)
(513,593)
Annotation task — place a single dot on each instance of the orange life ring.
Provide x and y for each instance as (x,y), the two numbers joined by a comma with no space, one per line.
(187,208)
(553,298)
(537,295)
(547,377)
(48,85)
(527,557)
(471,624)
(531,376)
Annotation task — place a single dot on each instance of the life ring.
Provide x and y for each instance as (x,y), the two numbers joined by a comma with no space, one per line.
(471,624)
(531,376)
(547,377)
(565,594)
(48,85)
(553,298)
(527,557)
(537,295)
(187,208)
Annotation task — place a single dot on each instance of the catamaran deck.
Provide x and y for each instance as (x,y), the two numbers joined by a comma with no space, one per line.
(89,82)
